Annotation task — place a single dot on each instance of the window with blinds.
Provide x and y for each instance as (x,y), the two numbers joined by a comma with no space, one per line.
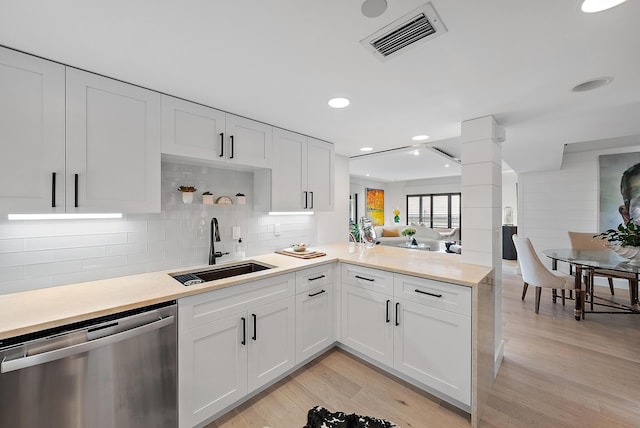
(435,210)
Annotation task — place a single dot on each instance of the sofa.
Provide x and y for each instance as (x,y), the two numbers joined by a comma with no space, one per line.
(392,235)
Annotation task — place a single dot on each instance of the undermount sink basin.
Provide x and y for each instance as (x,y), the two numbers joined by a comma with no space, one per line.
(227,271)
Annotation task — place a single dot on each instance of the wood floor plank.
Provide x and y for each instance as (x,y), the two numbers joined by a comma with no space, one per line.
(556,372)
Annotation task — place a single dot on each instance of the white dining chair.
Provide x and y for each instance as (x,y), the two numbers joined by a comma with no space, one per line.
(536,274)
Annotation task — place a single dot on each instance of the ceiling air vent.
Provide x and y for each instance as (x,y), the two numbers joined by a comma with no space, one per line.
(419,25)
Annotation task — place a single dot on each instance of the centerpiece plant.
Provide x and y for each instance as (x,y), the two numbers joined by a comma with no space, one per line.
(626,234)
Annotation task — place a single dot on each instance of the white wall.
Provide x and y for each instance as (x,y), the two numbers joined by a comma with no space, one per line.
(334,226)
(551,203)
(509,195)
(39,254)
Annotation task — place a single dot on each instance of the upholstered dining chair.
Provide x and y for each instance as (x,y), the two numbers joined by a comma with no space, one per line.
(535,273)
(586,241)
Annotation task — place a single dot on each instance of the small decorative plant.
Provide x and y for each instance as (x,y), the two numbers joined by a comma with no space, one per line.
(409,231)
(355,232)
(396,215)
(627,234)
(188,189)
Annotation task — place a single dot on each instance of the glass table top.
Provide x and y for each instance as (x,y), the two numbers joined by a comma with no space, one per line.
(602,259)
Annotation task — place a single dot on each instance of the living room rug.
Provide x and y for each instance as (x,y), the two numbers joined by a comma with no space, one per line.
(319,417)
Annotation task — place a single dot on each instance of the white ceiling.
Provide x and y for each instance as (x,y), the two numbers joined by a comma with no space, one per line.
(279,61)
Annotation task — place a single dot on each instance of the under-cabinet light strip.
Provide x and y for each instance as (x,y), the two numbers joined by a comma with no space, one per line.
(290,212)
(63,216)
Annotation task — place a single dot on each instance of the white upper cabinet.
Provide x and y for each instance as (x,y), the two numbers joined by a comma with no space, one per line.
(192,130)
(302,173)
(113,145)
(32,135)
(195,131)
(248,142)
(83,143)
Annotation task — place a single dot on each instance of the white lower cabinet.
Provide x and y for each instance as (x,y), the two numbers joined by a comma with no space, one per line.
(367,323)
(433,347)
(422,329)
(315,314)
(231,342)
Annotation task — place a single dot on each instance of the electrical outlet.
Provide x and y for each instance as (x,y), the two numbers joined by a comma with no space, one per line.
(236,232)
(276,229)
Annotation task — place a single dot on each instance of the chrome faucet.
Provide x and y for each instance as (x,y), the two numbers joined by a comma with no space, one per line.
(215,237)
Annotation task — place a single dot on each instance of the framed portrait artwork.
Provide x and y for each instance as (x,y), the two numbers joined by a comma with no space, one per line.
(619,189)
(374,206)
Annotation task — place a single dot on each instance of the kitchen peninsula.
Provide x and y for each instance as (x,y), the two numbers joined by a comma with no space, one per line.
(396,271)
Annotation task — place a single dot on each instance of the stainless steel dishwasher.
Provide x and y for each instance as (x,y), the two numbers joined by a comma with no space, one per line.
(114,371)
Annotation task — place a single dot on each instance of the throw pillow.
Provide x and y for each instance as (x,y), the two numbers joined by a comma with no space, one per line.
(388,233)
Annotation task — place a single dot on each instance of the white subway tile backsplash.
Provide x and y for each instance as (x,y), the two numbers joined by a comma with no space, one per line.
(11,245)
(102,263)
(13,273)
(76,253)
(125,249)
(49,269)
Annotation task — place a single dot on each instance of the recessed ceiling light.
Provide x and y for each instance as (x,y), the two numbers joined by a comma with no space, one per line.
(592,84)
(591,6)
(367,174)
(420,138)
(373,8)
(339,102)
(366,149)
(416,152)
(446,165)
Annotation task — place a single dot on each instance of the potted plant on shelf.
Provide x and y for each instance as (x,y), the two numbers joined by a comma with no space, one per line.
(187,193)
(624,240)
(409,232)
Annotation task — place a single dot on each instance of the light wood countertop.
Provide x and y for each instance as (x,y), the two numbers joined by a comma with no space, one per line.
(32,311)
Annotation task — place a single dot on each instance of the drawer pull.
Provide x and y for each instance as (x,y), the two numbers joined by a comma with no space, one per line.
(366,279)
(222,144)
(397,319)
(53,190)
(317,277)
(315,294)
(388,319)
(427,293)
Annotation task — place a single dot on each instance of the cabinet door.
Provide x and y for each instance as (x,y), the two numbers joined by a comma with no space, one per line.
(320,175)
(289,173)
(31,134)
(249,142)
(113,145)
(314,321)
(212,368)
(192,130)
(367,323)
(271,332)
(434,347)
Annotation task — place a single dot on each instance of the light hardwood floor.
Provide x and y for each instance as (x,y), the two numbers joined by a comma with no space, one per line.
(556,372)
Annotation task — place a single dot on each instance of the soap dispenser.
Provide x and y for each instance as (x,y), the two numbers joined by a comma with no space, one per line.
(240,249)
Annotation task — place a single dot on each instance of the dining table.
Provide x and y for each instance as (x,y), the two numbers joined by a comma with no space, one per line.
(586,262)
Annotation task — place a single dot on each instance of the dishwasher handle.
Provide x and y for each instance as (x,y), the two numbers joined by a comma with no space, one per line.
(57,354)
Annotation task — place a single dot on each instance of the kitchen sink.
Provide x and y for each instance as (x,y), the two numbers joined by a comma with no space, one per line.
(227,271)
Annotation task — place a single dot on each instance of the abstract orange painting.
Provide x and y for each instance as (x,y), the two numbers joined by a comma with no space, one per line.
(375,206)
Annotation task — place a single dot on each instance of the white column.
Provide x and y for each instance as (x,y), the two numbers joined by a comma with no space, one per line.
(482,205)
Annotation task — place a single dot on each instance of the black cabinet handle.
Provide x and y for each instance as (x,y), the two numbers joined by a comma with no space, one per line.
(366,279)
(317,277)
(53,190)
(231,157)
(315,294)
(222,144)
(311,207)
(427,293)
(244,331)
(255,332)
(305,199)
(387,318)
(76,190)
(397,306)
